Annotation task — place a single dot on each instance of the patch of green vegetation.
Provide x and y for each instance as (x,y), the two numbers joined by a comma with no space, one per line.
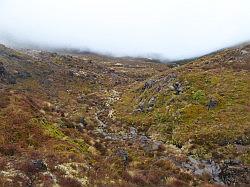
(64,148)
(199,96)
(53,131)
(81,145)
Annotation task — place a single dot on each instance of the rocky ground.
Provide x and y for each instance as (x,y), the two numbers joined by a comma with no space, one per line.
(90,120)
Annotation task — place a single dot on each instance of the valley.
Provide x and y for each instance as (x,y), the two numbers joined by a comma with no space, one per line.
(93,120)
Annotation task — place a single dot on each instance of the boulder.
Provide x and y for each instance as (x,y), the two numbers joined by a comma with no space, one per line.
(212,104)
(178,88)
(39,165)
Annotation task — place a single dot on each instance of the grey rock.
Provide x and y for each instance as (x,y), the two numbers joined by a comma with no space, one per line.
(152,101)
(141,105)
(133,132)
(169,77)
(171,87)
(200,167)
(244,52)
(39,165)
(144,140)
(23,75)
(178,88)
(149,109)
(138,110)
(80,127)
(212,104)
(149,84)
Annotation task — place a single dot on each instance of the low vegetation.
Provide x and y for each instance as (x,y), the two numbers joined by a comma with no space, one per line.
(90,120)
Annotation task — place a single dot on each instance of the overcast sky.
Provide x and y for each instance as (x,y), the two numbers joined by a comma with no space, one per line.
(173,29)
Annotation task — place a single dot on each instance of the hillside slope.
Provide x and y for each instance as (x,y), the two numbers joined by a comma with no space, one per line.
(85,120)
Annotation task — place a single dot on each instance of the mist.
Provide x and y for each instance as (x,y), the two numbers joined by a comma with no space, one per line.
(170,29)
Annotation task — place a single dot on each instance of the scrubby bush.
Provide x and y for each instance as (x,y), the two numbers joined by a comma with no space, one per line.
(199,96)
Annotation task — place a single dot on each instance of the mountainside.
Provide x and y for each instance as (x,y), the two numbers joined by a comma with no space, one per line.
(92,120)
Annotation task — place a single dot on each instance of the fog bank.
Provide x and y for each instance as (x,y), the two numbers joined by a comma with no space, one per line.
(173,29)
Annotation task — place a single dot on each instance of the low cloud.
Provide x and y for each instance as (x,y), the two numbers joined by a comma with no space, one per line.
(163,28)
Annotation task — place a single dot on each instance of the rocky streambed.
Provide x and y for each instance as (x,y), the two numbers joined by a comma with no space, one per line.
(226,172)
